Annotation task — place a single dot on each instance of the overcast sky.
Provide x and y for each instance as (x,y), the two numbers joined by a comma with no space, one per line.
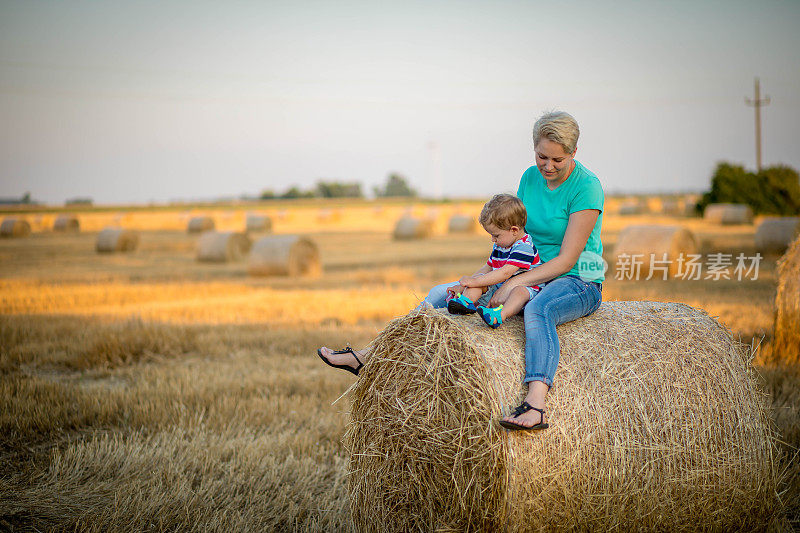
(138,101)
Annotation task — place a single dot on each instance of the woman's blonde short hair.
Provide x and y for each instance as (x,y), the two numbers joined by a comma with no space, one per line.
(504,211)
(559,127)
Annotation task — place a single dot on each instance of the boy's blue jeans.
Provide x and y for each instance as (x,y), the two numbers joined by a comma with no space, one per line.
(561,300)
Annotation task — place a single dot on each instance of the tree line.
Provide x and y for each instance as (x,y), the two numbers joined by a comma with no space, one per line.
(396,185)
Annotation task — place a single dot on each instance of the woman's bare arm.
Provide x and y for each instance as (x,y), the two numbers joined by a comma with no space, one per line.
(579,227)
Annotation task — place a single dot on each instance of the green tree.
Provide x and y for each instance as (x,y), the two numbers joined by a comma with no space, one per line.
(396,185)
(295,192)
(774,190)
(335,189)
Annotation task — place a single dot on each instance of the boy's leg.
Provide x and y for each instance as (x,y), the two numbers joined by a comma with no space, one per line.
(474,293)
(515,302)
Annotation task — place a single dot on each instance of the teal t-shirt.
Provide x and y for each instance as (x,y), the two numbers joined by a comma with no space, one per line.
(549,211)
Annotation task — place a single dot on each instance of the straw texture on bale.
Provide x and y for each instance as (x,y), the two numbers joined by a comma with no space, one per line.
(656,423)
(658,240)
(284,255)
(222,246)
(200,224)
(408,228)
(258,223)
(775,234)
(787,307)
(117,240)
(67,224)
(15,227)
(728,214)
(462,224)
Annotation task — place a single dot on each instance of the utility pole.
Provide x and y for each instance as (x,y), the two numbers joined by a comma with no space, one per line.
(757,103)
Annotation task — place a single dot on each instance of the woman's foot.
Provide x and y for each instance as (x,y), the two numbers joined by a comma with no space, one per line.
(525,416)
(347,359)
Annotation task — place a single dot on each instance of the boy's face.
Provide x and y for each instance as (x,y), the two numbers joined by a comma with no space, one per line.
(503,238)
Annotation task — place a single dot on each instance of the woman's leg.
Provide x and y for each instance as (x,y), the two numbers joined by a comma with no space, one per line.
(437,297)
(561,300)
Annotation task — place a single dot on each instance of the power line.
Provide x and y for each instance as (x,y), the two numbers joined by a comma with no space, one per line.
(758,103)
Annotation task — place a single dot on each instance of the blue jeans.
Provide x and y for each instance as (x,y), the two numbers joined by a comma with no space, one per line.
(561,300)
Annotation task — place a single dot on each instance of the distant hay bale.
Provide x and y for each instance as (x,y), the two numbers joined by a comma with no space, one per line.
(408,228)
(67,224)
(786,347)
(775,234)
(200,224)
(15,227)
(116,240)
(284,255)
(656,423)
(462,224)
(658,240)
(256,222)
(222,246)
(728,214)
(669,206)
(631,208)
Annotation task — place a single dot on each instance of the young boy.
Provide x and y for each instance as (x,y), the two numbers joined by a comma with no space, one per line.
(503,217)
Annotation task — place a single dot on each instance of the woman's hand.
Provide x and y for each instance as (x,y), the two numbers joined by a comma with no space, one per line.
(501,294)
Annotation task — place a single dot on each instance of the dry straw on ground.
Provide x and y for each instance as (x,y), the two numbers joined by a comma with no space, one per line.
(284,255)
(462,224)
(728,214)
(67,224)
(256,222)
(117,240)
(409,227)
(222,246)
(656,424)
(15,227)
(639,243)
(200,224)
(775,234)
(786,346)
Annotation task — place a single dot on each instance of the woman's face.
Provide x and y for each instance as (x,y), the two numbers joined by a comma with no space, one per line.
(553,162)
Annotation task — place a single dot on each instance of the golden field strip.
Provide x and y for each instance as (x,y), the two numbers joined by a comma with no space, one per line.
(150,391)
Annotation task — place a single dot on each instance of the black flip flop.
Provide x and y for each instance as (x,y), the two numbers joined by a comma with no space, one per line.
(343,367)
(524,408)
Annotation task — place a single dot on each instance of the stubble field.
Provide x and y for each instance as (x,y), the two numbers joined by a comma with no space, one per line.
(148,391)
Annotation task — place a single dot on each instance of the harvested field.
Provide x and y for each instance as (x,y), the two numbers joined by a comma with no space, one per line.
(151,391)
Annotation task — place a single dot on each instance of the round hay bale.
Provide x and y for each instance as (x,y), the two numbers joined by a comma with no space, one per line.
(15,227)
(657,240)
(462,224)
(258,223)
(222,246)
(408,228)
(284,255)
(116,240)
(775,234)
(786,347)
(67,224)
(728,214)
(631,208)
(656,423)
(200,224)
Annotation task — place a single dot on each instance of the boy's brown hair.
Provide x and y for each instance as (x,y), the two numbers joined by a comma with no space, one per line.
(504,211)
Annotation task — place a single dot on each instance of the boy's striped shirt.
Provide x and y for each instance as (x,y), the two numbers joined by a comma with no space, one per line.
(521,254)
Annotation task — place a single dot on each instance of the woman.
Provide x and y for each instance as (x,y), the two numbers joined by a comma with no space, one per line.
(564,201)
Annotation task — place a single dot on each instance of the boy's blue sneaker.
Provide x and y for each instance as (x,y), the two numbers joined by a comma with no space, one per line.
(461,305)
(491,315)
